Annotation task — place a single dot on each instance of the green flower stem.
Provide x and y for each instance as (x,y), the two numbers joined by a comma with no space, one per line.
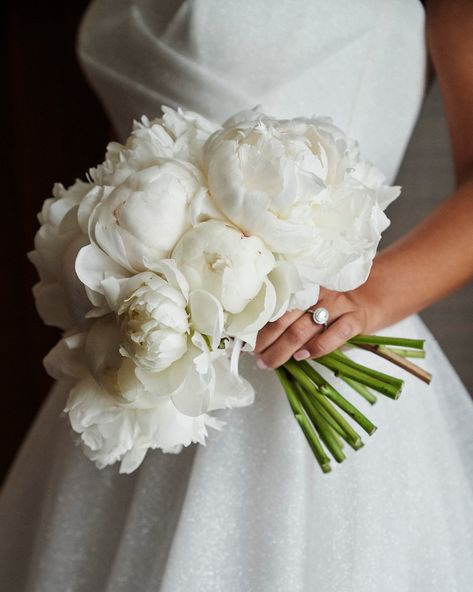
(331,422)
(341,357)
(361,389)
(406,353)
(302,420)
(341,369)
(328,418)
(299,369)
(404,363)
(380,340)
(353,439)
(323,428)
(338,432)
(348,433)
(301,377)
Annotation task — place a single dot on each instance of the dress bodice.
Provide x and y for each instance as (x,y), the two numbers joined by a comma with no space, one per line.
(362,63)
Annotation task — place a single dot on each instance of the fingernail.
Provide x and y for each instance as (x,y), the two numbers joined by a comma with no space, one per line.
(261,364)
(302,354)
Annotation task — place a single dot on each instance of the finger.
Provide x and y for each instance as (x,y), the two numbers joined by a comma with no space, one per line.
(271,331)
(291,340)
(301,331)
(337,334)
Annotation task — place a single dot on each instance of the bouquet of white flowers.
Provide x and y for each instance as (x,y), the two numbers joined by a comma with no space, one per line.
(178,249)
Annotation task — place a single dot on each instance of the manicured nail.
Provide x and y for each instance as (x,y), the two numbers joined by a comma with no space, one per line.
(261,364)
(302,354)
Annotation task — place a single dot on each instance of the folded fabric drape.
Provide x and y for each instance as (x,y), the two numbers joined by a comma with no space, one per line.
(362,64)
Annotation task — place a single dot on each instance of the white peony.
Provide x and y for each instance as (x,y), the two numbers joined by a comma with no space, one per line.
(177,134)
(61,299)
(111,431)
(232,267)
(141,220)
(109,285)
(121,410)
(198,382)
(167,348)
(301,187)
(189,131)
(154,323)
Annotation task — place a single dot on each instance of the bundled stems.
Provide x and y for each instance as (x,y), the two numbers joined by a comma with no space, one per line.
(309,433)
(322,426)
(314,401)
(341,368)
(307,375)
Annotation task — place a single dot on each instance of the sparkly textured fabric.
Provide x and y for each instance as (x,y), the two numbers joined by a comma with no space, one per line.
(251,511)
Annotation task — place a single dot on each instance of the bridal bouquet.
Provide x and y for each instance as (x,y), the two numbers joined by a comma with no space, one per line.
(178,249)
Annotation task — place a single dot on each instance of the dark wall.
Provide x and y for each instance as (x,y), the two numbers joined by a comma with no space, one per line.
(53,130)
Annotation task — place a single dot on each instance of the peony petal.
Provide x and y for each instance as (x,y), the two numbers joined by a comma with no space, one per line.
(102,351)
(93,266)
(88,203)
(285,281)
(207,315)
(168,268)
(66,360)
(230,390)
(192,398)
(259,311)
(203,208)
(132,460)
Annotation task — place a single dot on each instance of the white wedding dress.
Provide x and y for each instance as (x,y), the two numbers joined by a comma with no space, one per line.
(251,511)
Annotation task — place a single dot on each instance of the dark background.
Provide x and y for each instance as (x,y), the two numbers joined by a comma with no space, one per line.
(54,130)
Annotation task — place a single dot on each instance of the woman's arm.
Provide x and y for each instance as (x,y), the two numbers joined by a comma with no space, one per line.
(436,257)
(432,260)
(450,43)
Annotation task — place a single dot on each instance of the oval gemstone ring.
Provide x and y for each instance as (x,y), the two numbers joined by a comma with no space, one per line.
(320,316)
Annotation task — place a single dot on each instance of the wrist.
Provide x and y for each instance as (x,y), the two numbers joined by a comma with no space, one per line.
(370,299)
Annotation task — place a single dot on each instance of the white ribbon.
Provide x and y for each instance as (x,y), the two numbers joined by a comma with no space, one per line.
(235,357)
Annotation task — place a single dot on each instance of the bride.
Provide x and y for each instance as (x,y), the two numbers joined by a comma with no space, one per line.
(251,511)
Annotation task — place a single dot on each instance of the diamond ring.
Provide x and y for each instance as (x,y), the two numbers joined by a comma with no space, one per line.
(320,316)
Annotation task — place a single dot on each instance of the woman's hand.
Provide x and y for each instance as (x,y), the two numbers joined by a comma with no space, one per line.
(296,335)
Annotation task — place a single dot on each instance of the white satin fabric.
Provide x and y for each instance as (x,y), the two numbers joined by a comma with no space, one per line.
(251,511)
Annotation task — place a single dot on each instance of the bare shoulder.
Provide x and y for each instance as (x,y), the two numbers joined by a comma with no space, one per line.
(450,40)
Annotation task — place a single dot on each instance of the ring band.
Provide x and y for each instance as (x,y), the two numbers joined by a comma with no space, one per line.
(320,316)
